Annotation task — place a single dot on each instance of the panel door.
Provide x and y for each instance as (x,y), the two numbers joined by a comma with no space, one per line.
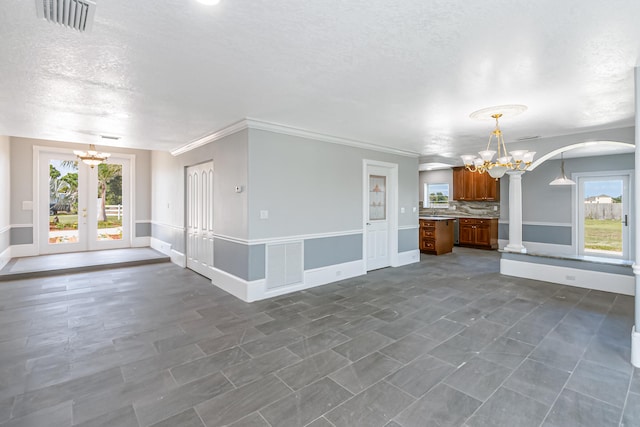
(377,225)
(199,194)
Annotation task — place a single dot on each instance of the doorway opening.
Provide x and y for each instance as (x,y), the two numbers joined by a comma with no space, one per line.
(82,208)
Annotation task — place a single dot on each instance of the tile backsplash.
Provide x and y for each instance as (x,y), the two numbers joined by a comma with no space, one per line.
(460,208)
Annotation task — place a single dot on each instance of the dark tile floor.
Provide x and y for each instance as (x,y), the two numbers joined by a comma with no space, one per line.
(446,342)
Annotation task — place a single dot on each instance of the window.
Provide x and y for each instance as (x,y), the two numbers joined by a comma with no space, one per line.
(436,196)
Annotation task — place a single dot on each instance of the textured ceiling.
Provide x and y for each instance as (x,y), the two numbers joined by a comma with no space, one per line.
(404,74)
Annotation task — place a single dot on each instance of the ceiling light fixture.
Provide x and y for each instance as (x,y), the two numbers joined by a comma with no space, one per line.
(516,160)
(209,2)
(91,157)
(562,179)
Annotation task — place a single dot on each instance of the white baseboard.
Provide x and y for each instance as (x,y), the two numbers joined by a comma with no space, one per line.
(635,347)
(239,288)
(5,257)
(256,290)
(588,279)
(18,251)
(160,246)
(405,258)
(178,258)
(141,242)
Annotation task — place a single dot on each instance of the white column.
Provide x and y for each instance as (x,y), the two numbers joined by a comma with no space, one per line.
(635,334)
(515,213)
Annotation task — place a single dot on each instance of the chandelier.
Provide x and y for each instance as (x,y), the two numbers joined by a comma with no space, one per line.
(515,160)
(91,157)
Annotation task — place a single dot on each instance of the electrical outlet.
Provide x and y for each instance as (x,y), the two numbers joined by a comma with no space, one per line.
(264,214)
(401,210)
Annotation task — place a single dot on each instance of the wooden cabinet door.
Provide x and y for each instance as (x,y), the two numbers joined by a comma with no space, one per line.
(458,183)
(491,188)
(483,235)
(470,179)
(467,234)
(480,186)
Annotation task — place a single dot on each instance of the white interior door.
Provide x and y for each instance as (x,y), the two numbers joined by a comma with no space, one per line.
(377,218)
(82,208)
(200,218)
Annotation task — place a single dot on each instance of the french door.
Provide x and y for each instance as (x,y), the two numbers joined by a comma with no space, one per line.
(604,215)
(82,208)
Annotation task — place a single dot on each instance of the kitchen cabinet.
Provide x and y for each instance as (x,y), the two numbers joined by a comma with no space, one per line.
(479,233)
(473,186)
(436,235)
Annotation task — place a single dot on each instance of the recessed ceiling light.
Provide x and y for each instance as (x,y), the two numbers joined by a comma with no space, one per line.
(208,2)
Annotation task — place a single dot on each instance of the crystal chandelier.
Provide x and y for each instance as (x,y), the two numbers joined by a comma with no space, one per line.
(516,160)
(91,157)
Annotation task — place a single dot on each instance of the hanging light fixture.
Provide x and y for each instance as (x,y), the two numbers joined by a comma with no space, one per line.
(516,160)
(562,179)
(91,157)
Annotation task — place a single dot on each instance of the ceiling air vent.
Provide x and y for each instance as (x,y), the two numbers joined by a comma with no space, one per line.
(76,14)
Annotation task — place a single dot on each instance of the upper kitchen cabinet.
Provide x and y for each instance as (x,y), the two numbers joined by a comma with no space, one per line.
(473,186)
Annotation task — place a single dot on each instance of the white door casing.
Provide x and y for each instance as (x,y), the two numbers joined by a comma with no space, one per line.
(199,194)
(379,214)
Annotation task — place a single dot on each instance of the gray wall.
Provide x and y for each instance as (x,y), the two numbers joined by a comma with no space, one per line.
(308,187)
(229,157)
(311,186)
(22,177)
(544,203)
(5,192)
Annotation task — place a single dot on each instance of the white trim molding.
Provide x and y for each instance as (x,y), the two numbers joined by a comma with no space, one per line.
(18,251)
(406,258)
(597,280)
(5,257)
(285,239)
(408,227)
(543,248)
(249,123)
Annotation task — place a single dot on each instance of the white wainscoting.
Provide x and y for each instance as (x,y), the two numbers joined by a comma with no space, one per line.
(405,258)
(588,279)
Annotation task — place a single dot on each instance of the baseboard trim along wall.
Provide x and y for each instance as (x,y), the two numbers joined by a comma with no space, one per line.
(406,258)
(565,275)
(5,257)
(18,251)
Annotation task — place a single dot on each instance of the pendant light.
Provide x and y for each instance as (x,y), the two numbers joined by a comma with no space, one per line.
(562,179)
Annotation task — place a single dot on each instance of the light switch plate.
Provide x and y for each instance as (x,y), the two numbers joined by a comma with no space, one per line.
(264,214)
(401,210)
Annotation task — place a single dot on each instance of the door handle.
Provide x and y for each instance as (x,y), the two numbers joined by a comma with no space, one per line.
(626,220)
(368,223)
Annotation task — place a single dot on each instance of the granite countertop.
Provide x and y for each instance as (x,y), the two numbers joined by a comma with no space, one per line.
(454,216)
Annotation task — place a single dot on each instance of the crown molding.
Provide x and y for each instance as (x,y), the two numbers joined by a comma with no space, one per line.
(249,123)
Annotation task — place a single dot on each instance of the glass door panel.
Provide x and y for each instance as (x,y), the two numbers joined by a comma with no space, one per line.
(604,216)
(109,207)
(63,202)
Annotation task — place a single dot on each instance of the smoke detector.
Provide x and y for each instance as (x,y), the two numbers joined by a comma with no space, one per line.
(75,14)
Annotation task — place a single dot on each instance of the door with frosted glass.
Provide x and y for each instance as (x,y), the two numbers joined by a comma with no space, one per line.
(377,220)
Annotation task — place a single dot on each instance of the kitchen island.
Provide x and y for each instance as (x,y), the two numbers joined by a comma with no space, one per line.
(436,234)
